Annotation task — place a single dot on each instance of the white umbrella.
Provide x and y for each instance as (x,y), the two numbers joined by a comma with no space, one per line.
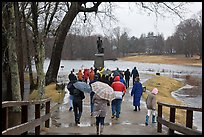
(103,90)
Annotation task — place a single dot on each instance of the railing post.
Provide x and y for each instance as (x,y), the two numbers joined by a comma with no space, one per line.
(159,125)
(47,110)
(172,119)
(4,118)
(189,118)
(24,116)
(37,115)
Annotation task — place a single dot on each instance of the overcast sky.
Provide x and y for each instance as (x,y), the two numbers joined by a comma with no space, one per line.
(137,23)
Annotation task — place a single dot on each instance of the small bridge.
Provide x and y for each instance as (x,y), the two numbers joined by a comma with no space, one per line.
(25,126)
(36,123)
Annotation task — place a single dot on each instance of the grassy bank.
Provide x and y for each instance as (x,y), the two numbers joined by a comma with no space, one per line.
(166,85)
(165,59)
(50,91)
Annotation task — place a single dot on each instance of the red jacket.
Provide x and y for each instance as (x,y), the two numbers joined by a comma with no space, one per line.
(117,85)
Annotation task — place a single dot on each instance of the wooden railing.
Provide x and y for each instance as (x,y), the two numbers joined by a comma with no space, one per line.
(25,125)
(186,130)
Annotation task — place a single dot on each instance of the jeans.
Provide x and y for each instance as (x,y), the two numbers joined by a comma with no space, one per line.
(116,106)
(127,82)
(100,120)
(77,109)
(91,101)
(71,101)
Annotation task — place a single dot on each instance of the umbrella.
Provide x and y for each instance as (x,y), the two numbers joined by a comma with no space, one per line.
(82,86)
(103,90)
(107,72)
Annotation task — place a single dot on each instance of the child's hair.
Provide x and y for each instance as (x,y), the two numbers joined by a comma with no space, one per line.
(155,91)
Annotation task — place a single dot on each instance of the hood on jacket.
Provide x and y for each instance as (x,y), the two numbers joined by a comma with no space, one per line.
(155,91)
(117,78)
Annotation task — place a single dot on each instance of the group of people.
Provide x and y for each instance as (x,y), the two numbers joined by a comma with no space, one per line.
(98,106)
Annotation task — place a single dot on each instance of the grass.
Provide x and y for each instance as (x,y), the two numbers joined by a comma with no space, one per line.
(50,91)
(166,59)
(166,85)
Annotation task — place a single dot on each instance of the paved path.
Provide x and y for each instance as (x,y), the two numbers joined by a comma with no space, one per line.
(130,122)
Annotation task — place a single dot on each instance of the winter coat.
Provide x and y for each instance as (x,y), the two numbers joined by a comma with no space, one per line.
(71,87)
(151,101)
(80,75)
(137,93)
(118,86)
(134,72)
(72,77)
(86,74)
(127,74)
(78,95)
(91,75)
(100,106)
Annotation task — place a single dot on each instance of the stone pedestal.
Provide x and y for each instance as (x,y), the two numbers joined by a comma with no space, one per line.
(99,60)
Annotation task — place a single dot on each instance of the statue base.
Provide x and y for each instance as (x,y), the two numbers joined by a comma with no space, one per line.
(99,60)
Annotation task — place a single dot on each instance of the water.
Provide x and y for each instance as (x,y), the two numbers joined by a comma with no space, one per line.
(123,65)
(146,68)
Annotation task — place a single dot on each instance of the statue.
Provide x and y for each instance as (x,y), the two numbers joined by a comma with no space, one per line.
(99,46)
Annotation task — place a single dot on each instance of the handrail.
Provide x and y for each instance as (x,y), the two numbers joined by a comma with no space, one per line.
(171,123)
(26,125)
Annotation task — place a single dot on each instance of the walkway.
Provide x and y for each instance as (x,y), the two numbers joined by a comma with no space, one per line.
(130,122)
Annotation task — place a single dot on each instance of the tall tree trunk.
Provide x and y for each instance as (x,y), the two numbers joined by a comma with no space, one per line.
(39,53)
(51,75)
(19,47)
(31,79)
(15,82)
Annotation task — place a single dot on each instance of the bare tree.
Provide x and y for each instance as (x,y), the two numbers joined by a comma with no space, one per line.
(74,9)
(186,32)
(10,28)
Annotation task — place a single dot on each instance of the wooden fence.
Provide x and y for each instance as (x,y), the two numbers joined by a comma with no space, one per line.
(26,125)
(187,129)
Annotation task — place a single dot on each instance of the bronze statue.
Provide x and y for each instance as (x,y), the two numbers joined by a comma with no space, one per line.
(99,46)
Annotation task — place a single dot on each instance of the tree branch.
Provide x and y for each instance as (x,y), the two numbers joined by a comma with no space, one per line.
(91,9)
(172,9)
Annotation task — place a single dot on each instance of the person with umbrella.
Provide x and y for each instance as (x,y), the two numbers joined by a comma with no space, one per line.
(78,93)
(78,97)
(119,90)
(92,94)
(102,97)
(70,87)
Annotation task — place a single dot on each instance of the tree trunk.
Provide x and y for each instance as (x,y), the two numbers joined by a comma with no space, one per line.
(51,75)
(15,83)
(31,79)
(19,47)
(39,53)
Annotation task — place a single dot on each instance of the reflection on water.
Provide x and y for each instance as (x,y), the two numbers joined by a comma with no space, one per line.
(14,118)
(150,68)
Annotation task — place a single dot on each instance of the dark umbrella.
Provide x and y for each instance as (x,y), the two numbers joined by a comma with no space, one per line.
(82,86)
(107,72)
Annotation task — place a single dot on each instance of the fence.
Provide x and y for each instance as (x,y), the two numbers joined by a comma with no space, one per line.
(187,129)
(25,125)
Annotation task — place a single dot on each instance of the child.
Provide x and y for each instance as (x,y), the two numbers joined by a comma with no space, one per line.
(151,106)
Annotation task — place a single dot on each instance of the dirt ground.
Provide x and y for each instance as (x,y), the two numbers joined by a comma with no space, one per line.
(163,59)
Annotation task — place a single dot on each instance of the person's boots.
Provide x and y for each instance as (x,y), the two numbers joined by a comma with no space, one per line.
(135,108)
(101,129)
(147,120)
(153,119)
(97,130)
